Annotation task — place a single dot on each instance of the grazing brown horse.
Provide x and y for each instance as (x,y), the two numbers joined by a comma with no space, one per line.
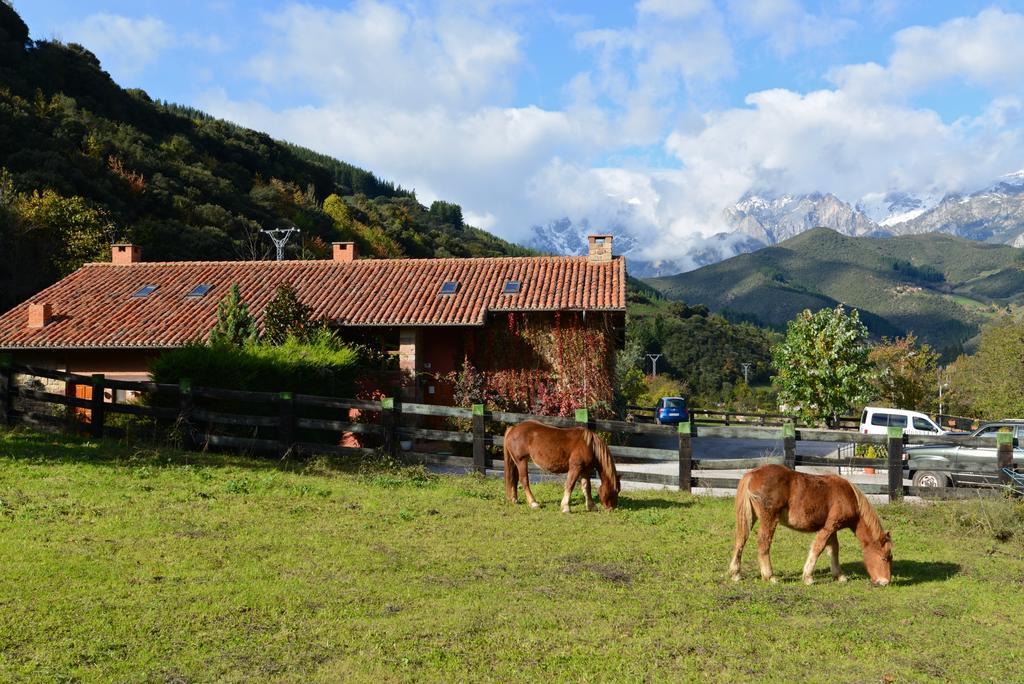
(576,451)
(809,503)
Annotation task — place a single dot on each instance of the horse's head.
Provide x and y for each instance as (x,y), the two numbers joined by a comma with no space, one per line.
(609,494)
(878,560)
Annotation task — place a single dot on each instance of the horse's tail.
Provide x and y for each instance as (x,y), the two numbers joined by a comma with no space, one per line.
(511,472)
(604,457)
(744,507)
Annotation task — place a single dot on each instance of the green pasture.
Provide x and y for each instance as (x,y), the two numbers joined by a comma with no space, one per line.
(127,564)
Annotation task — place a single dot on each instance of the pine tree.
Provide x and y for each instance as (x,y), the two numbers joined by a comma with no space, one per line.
(235,325)
(285,315)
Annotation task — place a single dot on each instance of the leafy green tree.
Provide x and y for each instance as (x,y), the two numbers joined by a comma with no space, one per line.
(286,316)
(235,325)
(629,376)
(822,365)
(77,232)
(988,384)
(905,373)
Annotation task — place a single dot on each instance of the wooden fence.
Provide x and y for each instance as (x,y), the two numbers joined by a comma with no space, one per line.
(292,423)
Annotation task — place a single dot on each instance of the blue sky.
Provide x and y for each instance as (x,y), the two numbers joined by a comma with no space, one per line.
(650,116)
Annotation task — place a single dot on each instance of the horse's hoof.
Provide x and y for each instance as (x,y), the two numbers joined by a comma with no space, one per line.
(808,580)
(591,508)
(773,579)
(736,577)
(841,578)
(535,505)
(565,509)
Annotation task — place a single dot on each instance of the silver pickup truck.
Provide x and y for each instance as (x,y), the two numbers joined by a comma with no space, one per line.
(945,465)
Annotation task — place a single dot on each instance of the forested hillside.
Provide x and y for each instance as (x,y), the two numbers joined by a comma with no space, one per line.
(940,287)
(84,162)
(703,351)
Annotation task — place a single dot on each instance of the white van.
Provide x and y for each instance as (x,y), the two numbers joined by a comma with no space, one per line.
(877,421)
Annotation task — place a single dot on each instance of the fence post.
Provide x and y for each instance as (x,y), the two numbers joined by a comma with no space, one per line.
(185,413)
(97,411)
(479,435)
(1004,454)
(789,444)
(70,419)
(685,456)
(286,421)
(895,445)
(389,426)
(6,390)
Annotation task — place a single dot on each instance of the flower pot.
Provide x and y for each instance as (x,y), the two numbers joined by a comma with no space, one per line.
(869,471)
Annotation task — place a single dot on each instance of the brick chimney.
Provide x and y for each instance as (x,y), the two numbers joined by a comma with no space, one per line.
(126,254)
(600,248)
(344,251)
(39,315)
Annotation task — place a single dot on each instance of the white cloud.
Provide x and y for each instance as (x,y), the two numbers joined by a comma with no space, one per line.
(124,45)
(787,26)
(378,52)
(127,46)
(984,51)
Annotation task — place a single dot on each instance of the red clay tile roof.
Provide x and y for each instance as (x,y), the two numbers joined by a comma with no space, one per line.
(94,307)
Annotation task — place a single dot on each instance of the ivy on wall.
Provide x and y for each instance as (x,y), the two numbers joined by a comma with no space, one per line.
(543,364)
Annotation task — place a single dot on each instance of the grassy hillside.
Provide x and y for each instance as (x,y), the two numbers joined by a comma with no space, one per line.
(158,565)
(939,287)
(84,162)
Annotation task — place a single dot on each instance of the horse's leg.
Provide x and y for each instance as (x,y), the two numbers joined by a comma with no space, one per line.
(765,533)
(586,490)
(511,478)
(524,479)
(570,484)
(742,534)
(817,546)
(833,554)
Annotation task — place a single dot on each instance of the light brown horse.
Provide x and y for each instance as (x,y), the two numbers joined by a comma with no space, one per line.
(809,503)
(576,451)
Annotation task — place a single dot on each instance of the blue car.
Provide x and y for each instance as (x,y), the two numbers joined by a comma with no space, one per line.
(670,411)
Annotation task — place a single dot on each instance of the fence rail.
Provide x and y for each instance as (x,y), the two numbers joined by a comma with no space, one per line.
(283,422)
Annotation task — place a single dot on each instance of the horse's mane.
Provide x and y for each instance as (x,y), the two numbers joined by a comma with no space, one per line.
(867,513)
(604,456)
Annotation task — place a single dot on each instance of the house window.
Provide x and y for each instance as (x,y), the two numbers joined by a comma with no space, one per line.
(199,291)
(449,287)
(599,240)
(511,287)
(145,291)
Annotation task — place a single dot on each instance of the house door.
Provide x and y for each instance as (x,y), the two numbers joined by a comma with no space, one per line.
(83,415)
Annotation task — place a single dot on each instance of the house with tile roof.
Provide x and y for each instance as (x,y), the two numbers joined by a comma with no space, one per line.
(116,317)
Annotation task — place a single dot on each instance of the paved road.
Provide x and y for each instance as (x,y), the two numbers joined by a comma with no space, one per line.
(722,447)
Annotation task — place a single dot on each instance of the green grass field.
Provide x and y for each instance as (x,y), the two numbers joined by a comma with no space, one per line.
(148,565)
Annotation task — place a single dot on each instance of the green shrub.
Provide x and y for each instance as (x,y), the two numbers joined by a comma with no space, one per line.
(322,366)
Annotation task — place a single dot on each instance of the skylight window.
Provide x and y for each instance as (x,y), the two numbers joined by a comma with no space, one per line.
(199,291)
(145,291)
(450,287)
(511,287)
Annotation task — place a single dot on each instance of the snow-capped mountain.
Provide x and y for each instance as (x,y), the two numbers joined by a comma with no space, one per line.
(773,220)
(991,214)
(565,237)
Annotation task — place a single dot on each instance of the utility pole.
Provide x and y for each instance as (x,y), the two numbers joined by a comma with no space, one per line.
(654,364)
(746,370)
(280,237)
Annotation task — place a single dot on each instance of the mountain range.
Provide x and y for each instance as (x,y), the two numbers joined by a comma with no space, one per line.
(940,287)
(993,214)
